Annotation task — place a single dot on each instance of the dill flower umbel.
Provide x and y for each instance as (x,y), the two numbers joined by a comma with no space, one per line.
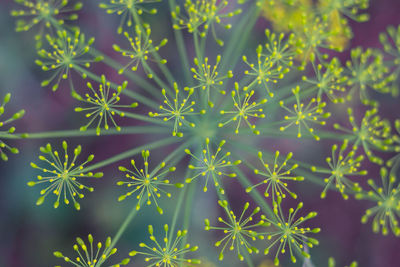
(68,52)
(177,110)
(288,233)
(211,165)
(147,185)
(90,257)
(170,253)
(276,177)
(63,176)
(302,115)
(237,230)
(142,49)
(387,197)
(104,105)
(4,123)
(342,166)
(49,15)
(244,109)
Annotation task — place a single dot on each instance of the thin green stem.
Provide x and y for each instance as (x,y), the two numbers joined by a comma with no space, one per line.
(155,77)
(197,49)
(180,43)
(122,229)
(132,152)
(127,92)
(144,118)
(87,133)
(156,55)
(245,182)
(139,81)
(239,38)
(178,206)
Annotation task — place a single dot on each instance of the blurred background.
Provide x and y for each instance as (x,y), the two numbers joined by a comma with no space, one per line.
(29,234)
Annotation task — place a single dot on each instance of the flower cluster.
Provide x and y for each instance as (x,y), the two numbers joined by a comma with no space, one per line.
(62,175)
(276,177)
(147,185)
(3,146)
(202,16)
(103,105)
(48,15)
(302,115)
(237,230)
(341,166)
(88,257)
(68,52)
(211,165)
(387,197)
(170,253)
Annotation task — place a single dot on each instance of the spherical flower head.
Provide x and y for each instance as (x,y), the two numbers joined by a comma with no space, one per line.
(243,109)
(169,253)
(177,110)
(202,16)
(92,254)
(63,176)
(4,124)
(276,176)
(128,10)
(238,231)
(48,15)
(148,186)
(387,197)
(342,166)
(142,49)
(103,105)
(67,52)
(211,165)
(302,115)
(288,233)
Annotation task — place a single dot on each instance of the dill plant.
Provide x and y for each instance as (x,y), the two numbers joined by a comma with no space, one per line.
(217,111)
